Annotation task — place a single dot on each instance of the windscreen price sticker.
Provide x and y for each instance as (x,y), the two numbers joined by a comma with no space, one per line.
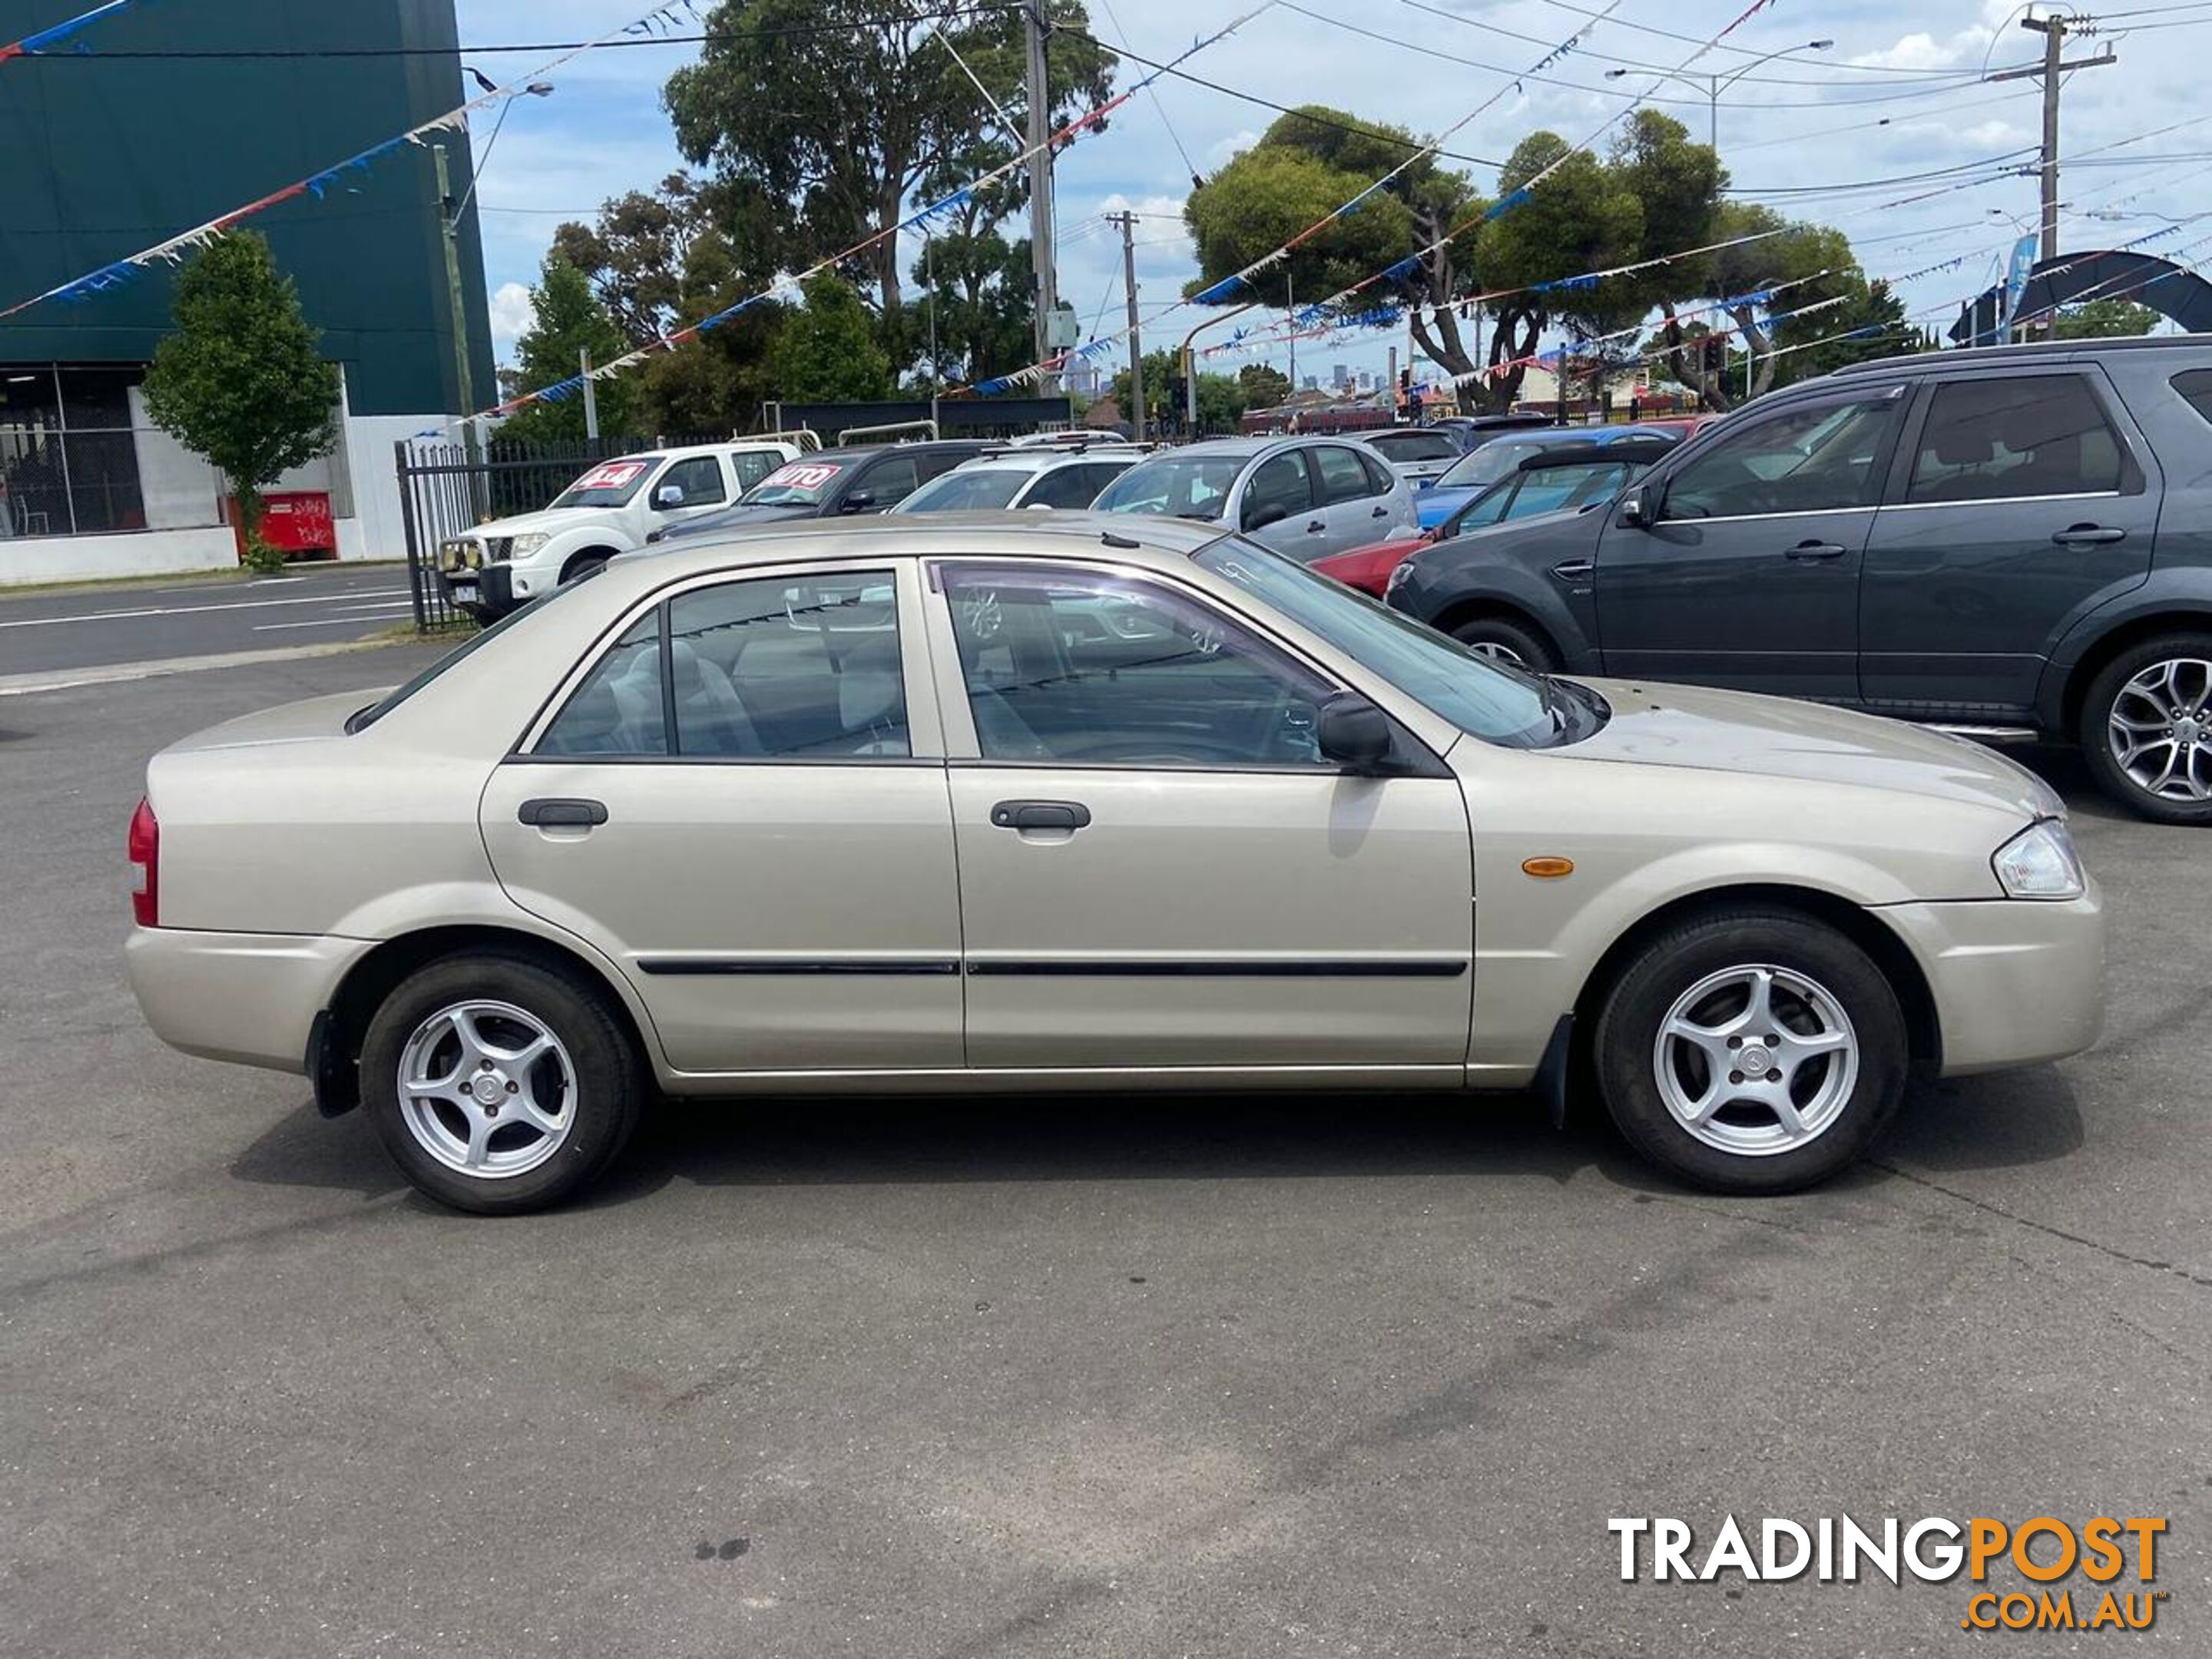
(613,475)
(801,475)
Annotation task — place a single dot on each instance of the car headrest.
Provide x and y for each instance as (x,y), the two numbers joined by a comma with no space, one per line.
(1961,445)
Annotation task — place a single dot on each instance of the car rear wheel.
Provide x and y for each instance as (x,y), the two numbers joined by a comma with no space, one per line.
(2147,729)
(1751,1052)
(1509,642)
(497,1084)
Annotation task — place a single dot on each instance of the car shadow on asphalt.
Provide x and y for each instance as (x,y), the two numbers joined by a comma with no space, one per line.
(1975,1123)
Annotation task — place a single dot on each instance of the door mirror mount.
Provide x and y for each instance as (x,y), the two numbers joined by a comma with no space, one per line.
(1354,734)
(860,501)
(1635,512)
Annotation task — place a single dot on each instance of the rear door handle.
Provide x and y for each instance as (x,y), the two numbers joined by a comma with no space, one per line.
(2081,535)
(563,814)
(1817,550)
(1040,815)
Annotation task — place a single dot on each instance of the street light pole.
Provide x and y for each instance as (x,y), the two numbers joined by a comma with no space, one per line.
(1713,84)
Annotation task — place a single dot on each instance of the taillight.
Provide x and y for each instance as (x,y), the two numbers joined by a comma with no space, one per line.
(145,846)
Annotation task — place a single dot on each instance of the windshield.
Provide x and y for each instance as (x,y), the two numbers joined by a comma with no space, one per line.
(1178,486)
(956,492)
(802,484)
(1477,693)
(363,717)
(611,484)
(1487,465)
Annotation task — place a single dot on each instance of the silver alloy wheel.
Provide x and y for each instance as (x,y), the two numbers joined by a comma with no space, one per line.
(2160,729)
(1503,652)
(487,1089)
(1756,1060)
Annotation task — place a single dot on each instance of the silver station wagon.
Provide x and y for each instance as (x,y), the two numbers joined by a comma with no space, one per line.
(1016,801)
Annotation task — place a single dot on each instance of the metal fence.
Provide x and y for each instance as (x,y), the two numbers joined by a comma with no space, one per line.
(444,489)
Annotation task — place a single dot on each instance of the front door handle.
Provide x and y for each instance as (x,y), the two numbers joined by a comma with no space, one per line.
(563,814)
(1316,527)
(1069,815)
(1380,513)
(1807,551)
(2083,535)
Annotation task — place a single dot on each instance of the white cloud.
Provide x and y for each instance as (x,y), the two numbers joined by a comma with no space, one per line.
(1921,51)
(1988,134)
(1228,150)
(511,315)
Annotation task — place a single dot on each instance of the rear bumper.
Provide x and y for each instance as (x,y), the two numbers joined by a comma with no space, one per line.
(2016,982)
(251,998)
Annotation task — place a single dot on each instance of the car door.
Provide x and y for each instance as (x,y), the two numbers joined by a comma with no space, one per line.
(2023,499)
(1277,506)
(740,801)
(1157,868)
(1741,567)
(704,486)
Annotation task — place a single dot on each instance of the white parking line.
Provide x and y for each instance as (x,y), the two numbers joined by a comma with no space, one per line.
(366,620)
(186,610)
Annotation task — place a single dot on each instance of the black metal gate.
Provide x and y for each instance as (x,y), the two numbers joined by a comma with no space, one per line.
(446,488)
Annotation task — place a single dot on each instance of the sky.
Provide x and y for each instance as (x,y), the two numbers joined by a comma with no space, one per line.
(1822,134)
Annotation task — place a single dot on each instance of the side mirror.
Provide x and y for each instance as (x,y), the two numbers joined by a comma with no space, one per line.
(1353,732)
(1259,518)
(1632,511)
(1435,532)
(860,501)
(668,495)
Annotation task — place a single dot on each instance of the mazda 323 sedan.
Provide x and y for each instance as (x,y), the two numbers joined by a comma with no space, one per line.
(950,804)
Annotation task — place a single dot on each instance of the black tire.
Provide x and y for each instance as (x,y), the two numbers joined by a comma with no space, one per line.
(1517,643)
(1625,1037)
(608,1090)
(584,566)
(2097,711)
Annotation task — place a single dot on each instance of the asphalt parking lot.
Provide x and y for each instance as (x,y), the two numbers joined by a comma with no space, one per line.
(1155,1377)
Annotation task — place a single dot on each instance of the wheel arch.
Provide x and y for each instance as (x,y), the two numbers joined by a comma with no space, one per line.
(2182,615)
(334,1057)
(595,551)
(1862,926)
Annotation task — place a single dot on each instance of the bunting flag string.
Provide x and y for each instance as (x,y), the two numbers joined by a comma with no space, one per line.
(787,286)
(32,45)
(172,250)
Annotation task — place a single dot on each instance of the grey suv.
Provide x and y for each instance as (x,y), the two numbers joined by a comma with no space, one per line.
(1306,498)
(2011,542)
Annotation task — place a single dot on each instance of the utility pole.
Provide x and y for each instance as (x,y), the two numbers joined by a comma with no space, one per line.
(448,223)
(2053,30)
(1128,224)
(591,395)
(1035,24)
(1291,315)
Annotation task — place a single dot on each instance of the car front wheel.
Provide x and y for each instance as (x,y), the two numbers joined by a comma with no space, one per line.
(499,1085)
(1509,642)
(2147,729)
(1751,1051)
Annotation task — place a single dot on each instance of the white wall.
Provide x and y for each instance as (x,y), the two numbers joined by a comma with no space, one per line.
(24,559)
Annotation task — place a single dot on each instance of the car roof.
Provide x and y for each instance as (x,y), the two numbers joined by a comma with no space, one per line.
(2008,357)
(861,451)
(1246,448)
(1027,535)
(1045,460)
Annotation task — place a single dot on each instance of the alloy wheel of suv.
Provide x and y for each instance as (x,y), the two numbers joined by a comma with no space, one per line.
(1508,641)
(2147,729)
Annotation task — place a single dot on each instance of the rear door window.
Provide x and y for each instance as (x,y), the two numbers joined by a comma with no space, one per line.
(2014,437)
(1342,478)
(1070,486)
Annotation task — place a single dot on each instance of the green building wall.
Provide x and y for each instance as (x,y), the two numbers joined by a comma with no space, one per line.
(102,154)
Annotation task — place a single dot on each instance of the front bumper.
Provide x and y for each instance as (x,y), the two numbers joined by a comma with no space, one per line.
(250,999)
(487,591)
(2017,982)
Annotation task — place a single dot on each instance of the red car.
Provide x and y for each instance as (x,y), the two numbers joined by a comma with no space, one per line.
(1368,569)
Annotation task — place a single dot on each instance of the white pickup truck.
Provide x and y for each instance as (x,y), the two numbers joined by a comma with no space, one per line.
(491,569)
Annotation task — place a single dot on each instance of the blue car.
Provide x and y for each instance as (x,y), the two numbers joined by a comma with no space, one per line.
(1501,457)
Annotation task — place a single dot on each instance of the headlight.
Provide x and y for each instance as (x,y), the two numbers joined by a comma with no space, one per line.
(459,553)
(525,546)
(2039,863)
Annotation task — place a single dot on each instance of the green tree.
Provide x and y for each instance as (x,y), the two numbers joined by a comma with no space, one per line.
(1265,387)
(1867,306)
(568,320)
(1814,261)
(826,351)
(2103,319)
(717,383)
(240,381)
(1221,397)
(831,114)
(1307,165)
(977,282)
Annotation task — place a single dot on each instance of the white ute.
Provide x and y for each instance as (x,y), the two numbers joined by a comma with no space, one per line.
(492,568)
